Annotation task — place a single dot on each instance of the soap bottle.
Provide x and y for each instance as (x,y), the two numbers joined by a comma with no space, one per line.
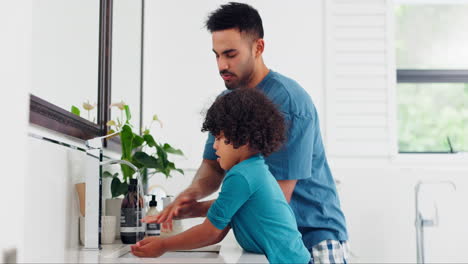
(132,229)
(153,229)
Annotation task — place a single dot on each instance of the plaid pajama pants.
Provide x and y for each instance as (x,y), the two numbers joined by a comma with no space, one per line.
(330,252)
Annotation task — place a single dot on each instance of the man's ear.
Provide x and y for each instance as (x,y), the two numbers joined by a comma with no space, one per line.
(259,47)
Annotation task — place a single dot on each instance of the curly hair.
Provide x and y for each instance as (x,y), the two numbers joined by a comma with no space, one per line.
(247,116)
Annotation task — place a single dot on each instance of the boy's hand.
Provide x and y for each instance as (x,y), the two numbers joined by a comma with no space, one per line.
(149,247)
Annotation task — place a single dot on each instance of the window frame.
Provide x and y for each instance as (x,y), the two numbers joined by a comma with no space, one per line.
(427,75)
(430,76)
(396,159)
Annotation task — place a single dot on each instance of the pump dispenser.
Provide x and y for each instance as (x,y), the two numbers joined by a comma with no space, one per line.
(153,229)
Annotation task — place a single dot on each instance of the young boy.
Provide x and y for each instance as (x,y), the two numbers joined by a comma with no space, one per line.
(247,126)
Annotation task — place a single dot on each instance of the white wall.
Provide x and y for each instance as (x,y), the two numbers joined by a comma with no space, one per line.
(15,80)
(379,204)
(51,202)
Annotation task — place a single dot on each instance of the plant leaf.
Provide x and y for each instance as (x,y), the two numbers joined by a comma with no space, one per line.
(126,171)
(172,150)
(144,176)
(137,141)
(123,188)
(146,160)
(115,187)
(136,163)
(162,156)
(171,166)
(107,174)
(150,140)
(127,113)
(75,110)
(126,139)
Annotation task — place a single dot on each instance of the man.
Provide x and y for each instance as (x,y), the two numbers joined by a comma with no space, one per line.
(300,166)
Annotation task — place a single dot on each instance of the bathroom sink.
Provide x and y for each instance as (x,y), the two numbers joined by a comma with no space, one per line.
(180,255)
(209,252)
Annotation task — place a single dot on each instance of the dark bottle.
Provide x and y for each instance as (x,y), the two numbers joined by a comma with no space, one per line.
(131,228)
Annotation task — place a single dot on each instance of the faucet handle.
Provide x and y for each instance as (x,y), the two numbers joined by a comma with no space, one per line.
(431,222)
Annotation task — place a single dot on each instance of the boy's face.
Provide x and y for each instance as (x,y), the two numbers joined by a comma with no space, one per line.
(228,155)
(235,57)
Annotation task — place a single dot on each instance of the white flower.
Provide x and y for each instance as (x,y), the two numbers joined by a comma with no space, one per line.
(111,123)
(88,106)
(155,118)
(120,105)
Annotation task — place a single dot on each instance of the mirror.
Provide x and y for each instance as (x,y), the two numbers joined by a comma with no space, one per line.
(126,58)
(65,53)
(73,62)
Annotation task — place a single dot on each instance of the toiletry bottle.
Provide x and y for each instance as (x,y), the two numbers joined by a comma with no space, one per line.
(132,229)
(153,229)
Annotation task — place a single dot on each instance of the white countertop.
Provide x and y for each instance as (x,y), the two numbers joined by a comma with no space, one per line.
(230,252)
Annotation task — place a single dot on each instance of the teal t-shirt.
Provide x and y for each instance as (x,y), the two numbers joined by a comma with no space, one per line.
(252,203)
(314,201)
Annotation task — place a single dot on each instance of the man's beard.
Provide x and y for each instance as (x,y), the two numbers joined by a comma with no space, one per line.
(233,86)
(241,83)
(243,77)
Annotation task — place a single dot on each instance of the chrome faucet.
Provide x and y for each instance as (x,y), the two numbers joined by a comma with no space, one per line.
(422,222)
(93,190)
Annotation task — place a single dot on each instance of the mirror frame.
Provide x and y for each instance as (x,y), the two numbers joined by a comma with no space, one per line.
(50,116)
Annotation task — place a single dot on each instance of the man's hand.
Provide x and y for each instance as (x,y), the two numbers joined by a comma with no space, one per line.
(185,209)
(206,181)
(184,206)
(149,247)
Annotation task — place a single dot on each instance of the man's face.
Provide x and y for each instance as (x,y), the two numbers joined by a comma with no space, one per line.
(235,57)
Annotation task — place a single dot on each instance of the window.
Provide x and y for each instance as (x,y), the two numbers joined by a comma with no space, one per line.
(432,77)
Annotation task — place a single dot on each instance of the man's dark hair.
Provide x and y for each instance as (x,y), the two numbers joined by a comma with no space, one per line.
(236,15)
(246,115)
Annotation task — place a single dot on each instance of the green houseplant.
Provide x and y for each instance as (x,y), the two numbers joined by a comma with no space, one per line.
(143,151)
